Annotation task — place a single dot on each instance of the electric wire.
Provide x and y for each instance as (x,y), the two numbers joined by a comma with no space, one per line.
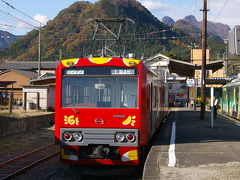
(195,7)
(8,19)
(14,22)
(21,11)
(221,10)
(11,17)
(28,23)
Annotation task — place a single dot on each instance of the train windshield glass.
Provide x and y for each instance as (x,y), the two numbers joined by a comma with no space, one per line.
(100,92)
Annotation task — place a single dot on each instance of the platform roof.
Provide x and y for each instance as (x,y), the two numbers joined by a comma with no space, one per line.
(221,81)
(188,69)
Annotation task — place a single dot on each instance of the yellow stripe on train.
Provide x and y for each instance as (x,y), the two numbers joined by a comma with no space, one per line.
(100,60)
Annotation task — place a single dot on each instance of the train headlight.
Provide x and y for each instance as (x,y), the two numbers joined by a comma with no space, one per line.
(120,137)
(78,136)
(67,136)
(130,137)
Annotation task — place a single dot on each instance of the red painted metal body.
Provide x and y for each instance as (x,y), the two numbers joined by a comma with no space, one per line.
(146,118)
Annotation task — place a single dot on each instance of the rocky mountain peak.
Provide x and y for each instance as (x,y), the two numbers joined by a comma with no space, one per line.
(191,20)
(168,20)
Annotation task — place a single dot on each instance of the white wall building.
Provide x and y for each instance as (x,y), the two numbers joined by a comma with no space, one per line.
(46,97)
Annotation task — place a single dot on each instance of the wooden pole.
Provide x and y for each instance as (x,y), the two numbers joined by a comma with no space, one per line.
(204,45)
(10,103)
(38,101)
(25,101)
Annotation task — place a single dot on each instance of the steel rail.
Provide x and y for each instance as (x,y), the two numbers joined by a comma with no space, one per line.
(25,155)
(30,166)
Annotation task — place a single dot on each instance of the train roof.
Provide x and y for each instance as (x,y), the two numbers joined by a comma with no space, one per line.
(235,82)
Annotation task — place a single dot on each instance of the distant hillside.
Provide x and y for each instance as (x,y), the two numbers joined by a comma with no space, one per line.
(190,24)
(67,36)
(216,33)
(6,39)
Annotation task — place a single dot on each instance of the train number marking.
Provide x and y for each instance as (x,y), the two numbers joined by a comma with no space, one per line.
(71,120)
(129,120)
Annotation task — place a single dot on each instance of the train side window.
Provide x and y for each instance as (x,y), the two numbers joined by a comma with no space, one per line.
(153,97)
(156,96)
(129,95)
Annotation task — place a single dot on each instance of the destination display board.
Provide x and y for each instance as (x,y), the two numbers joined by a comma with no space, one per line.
(115,71)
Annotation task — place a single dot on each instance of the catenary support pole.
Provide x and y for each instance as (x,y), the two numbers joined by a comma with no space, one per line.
(39,50)
(212,106)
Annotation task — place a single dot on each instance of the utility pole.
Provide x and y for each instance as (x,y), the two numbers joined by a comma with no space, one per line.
(39,50)
(204,44)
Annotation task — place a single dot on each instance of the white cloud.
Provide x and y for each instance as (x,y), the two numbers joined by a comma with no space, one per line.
(41,18)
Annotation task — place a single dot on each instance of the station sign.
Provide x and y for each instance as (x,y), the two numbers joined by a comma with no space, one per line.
(190,82)
(198,74)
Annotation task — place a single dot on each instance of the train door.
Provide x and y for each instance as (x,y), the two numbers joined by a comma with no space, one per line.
(159,103)
(150,109)
(225,101)
(231,101)
(153,108)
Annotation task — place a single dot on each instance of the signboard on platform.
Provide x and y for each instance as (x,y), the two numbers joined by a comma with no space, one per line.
(182,96)
(190,82)
(198,74)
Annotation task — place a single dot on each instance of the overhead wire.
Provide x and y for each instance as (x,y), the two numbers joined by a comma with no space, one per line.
(221,10)
(13,22)
(8,19)
(28,23)
(13,26)
(195,7)
(20,11)
(12,29)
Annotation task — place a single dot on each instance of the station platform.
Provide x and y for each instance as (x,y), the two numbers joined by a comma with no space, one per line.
(189,148)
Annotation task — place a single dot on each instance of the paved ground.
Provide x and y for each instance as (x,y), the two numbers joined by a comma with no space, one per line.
(201,152)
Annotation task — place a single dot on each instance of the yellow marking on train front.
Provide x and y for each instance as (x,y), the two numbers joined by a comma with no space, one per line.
(69,62)
(131,62)
(100,60)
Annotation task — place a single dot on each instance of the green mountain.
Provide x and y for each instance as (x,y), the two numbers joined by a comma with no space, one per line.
(68,36)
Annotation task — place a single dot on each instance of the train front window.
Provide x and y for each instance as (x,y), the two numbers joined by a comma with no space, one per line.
(100,92)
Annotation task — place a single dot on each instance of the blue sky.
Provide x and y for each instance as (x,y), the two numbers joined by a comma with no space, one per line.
(44,10)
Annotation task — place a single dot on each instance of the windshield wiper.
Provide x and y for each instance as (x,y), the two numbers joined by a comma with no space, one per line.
(75,110)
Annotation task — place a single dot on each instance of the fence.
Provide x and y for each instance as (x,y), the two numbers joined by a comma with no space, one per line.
(18,100)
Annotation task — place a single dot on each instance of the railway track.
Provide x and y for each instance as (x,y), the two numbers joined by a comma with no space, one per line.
(24,162)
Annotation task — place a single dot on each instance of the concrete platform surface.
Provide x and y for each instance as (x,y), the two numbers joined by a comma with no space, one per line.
(198,151)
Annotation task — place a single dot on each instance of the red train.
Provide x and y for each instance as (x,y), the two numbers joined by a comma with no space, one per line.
(107,110)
